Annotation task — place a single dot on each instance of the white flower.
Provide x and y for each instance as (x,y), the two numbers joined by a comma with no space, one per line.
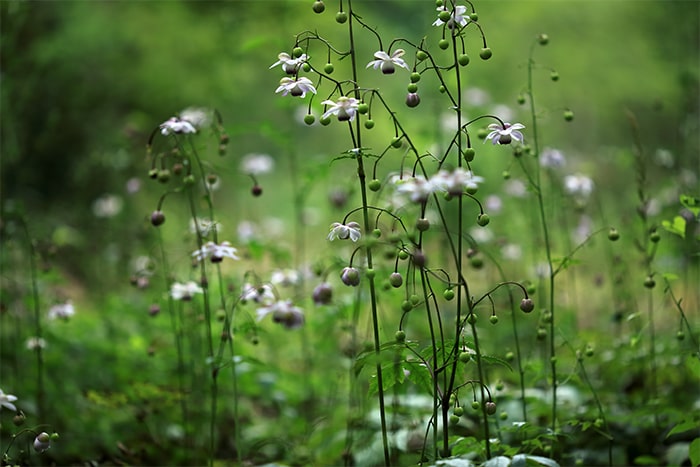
(34,343)
(297,88)
(515,188)
(215,252)
(345,108)
(578,185)
(259,294)
(419,188)
(198,117)
(505,134)
(185,291)
(458,16)
(42,442)
(350,230)
(285,278)
(493,204)
(290,65)
(107,206)
(387,62)
(175,125)
(552,158)
(6,400)
(62,311)
(204,226)
(257,164)
(283,312)
(457,181)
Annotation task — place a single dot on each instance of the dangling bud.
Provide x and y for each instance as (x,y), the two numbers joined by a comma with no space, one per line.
(157,218)
(527,305)
(412,99)
(42,442)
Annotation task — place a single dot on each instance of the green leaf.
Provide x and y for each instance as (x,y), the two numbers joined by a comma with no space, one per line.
(694,452)
(691,203)
(676,227)
(646,460)
(685,425)
(693,365)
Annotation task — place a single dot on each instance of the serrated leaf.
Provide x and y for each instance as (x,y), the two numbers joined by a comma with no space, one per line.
(694,452)
(392,374)
(419,375)
(685,425)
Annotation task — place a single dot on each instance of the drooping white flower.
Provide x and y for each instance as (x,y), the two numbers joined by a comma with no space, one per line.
(34,343)
(285,277)
(296,87)
(6,401)
(457,181)
(458,16)
(552,158)
(504,134)
(387,62)
(176,126)
(61,311)
(578,185)
(351,231)
(290,65)
(284,312)
(418,188)
(186,291)
(257,164)
(215,252)
(345,108)
(262,294)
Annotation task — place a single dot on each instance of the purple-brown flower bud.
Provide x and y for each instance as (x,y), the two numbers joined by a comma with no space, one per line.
(157,218)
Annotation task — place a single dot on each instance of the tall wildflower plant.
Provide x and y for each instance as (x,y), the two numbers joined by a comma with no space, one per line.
(414,202)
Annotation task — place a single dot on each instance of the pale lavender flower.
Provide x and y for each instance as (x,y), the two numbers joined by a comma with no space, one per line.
(493,204)
(515,188)
(6,401)
(351,231)
(257,164)
(62,311)
(215,252)
(34,343)
(457,181)
(296,87)
(262,294)
(345,108)
(552,158)
(458,16)
(504,134)
(284,312)
(107,206)
(418,188)
(285,278)
(322,294)
(42,442)
(176,126)
(185,291)
(388,62)
(290,65)
(578,185)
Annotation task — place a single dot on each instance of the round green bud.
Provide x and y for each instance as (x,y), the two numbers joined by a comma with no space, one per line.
(412,87)
(474,17)
(454,419)
(590,351)
(481,133)
(503,415)
(527,305)
(319,6)
(328,68)
(363,108)
(471,319)
(613,235)
(415,299)
(421,55)
(164,176)
(377,233)
(655,236)
(543,39)
(458,411)
(220,314)
(448,294)
(153,173)
(531,289)
(325,121)
(510,356)
(444,16)
(476,262)
(309,119)
(469,154)
(189,180)
(499,386)
(369,124)
(406,306)
(396,142)
(680,335)
(485,53)
(463,59)
(649,282)
(505,174)
(541,334)
(546,316)
(306,67)
(483,219)
(476,405)
(370,273)
(374,184)
(442,89)
(439,3)
(422,224)
(403,254)
(493,319)
(396,280)
(341,17)
(18,419)
(521,99)
(415,77)
(297,52)
(400,336)
(568,115)
(443,44)
(465,357)
(554,76)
